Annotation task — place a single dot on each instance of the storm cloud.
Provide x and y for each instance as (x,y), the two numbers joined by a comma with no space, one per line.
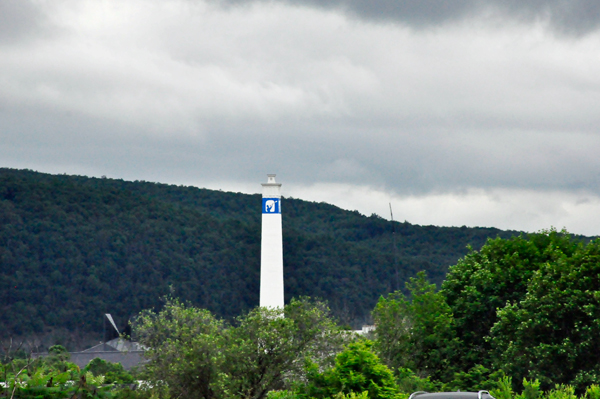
(19,20)
(571,17)
(476,113)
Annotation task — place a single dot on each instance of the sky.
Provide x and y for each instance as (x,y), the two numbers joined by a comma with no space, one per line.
(456,112)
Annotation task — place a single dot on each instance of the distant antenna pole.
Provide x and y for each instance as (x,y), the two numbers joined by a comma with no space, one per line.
(395,249)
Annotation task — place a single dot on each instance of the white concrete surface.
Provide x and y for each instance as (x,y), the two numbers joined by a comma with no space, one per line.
(271,250)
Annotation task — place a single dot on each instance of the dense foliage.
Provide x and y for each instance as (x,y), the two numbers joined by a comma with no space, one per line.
(417,334)
(73,248)
(553,333)
(522,313)
(357,369)
(538,295)
(192,354)
(526,307)
(544,345)
(54,377)
(487,280)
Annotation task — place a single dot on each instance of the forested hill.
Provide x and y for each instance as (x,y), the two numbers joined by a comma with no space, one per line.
(73,248)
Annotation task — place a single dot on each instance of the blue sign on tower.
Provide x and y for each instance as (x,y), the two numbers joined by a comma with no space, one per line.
(271,205)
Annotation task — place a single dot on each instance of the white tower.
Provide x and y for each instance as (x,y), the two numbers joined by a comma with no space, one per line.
(271,246)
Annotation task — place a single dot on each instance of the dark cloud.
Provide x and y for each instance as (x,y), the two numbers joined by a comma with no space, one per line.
(218,97)
(414,13)
(405,164)
(19,19)
(574,17)
(566,16)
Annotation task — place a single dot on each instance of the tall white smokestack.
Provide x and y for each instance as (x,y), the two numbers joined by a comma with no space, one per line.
(271,247)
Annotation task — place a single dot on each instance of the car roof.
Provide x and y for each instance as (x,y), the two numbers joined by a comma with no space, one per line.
(451,395)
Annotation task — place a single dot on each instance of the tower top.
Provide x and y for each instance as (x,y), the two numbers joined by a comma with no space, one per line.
(271,189)
(271,181)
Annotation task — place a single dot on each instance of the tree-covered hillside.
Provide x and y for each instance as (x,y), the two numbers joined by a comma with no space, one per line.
(73,248)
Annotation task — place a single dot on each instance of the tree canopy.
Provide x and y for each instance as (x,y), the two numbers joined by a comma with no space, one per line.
(553,332)
(418,332)
(73,248)
(192,354)
(486,280)
(527,307)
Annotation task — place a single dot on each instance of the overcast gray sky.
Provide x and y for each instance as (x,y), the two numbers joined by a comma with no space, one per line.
(458,112)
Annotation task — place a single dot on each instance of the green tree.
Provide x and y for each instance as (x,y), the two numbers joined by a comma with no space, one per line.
(184,349)
(357,370)
(41,381)
(416,333)
(268,347)
(64,238)
(58,353)
(112,372)
(193,355)
(485,280)
(553,333)
(477,378)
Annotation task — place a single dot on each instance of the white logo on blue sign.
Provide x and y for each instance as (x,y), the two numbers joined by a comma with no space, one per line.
(271,205)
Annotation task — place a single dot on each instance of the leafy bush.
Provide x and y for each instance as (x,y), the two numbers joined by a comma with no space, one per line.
(357,371)
(193,354)
(114,373)
(418,332)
